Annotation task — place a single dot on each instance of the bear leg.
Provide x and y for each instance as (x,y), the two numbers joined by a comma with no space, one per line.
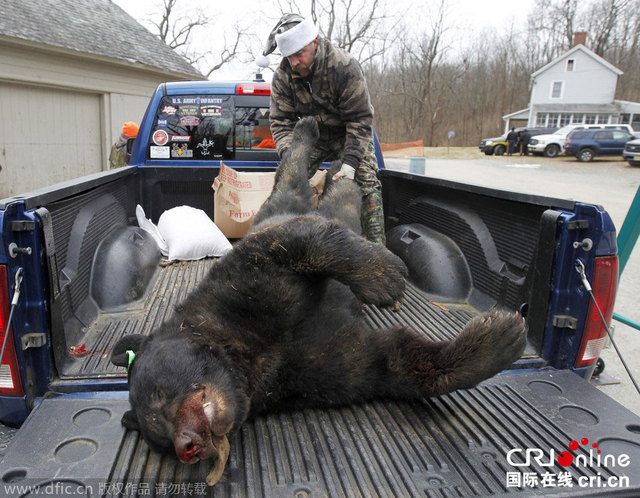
(292,193)
(487,345)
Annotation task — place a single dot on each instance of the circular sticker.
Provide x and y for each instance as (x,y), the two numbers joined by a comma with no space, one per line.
(160,137)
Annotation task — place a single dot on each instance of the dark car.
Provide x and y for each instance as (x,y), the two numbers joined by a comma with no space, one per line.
(498,145)
(587,144)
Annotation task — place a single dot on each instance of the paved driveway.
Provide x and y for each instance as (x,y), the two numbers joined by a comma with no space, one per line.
(610,183)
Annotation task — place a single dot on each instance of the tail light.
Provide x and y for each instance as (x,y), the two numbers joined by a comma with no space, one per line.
(10,384)
(605,283)
(254,89)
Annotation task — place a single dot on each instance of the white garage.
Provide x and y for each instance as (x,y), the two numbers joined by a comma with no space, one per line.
(71,72)
(48,135)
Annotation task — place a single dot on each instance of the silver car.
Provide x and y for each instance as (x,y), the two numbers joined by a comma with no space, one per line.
(631,152)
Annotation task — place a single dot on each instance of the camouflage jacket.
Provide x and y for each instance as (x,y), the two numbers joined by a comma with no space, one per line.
(335,92)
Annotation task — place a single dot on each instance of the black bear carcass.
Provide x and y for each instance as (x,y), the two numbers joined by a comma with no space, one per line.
(277,324)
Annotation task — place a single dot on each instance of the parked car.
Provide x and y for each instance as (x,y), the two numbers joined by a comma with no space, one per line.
(498,145)
(631,152)
(553,144)
(587,144)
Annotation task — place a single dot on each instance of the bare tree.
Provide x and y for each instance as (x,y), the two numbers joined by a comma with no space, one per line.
(550,27)
(361,27)
(426,80)
(614,33)
(176,28)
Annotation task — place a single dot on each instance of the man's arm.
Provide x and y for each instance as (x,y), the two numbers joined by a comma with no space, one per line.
(282,114)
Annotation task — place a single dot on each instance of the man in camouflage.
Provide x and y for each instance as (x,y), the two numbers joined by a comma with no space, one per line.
(317,79)
(119,155)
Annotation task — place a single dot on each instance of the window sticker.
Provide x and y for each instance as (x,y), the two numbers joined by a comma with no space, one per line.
(211,110)
(195,127)
(156,152)
(189,121)
(183,150)
(160,137)
(189,110)
(168,109)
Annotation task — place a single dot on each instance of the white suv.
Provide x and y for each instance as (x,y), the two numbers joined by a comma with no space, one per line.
(551,145)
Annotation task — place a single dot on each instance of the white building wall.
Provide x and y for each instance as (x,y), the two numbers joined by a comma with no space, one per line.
(126,108)
(62,112)
(47,136)
(590,82)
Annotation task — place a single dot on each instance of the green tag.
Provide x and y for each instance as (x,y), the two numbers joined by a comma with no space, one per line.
(132,356)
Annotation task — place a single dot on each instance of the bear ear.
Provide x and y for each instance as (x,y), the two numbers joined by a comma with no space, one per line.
(130,421)
(133,342)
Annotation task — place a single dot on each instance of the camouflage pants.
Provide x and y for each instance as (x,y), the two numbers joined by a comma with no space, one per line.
(366,176)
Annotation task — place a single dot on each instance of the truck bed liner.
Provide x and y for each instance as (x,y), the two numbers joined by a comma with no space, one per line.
(173,283)
(455,445)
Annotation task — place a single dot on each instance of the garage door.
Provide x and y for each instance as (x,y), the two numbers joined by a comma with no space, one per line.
(46,136)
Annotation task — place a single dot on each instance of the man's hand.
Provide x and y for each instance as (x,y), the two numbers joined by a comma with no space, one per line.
(345,171)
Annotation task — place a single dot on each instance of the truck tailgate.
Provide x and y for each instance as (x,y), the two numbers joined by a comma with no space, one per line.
(455,445)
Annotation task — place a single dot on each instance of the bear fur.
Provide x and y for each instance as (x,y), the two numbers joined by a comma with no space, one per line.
(277,325)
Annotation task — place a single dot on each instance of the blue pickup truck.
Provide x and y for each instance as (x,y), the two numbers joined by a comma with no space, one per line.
(538,428)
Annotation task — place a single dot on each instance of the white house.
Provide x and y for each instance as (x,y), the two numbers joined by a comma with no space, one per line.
(71,72)
(576,87)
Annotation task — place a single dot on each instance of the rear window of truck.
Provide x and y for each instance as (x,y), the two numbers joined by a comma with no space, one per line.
(211,127)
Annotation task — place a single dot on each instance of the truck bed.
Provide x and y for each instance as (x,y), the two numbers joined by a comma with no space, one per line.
(89,357)
(501,254)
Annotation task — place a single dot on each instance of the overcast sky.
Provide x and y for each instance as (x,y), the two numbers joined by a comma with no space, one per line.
(260,16)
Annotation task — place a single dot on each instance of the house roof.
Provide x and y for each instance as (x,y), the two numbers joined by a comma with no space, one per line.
(626,106)
(575,49)
(521,114)
(582,108)
(97,27)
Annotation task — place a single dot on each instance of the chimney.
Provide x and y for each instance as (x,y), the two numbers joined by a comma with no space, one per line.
(579,38)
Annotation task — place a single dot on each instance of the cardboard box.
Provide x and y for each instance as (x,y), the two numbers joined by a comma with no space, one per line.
(237,198)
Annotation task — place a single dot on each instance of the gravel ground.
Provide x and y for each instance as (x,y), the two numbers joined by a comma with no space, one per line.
(6,434)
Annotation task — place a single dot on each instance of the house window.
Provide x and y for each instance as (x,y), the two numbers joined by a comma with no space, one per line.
(578,118)
(556,90)
(590,119)
(570,64)
(635,122)
(565,119)
(603,118)
(541,119)
(553,119)
(625,118)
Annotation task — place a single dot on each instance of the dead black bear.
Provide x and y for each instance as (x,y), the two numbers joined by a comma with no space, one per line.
(277,324)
